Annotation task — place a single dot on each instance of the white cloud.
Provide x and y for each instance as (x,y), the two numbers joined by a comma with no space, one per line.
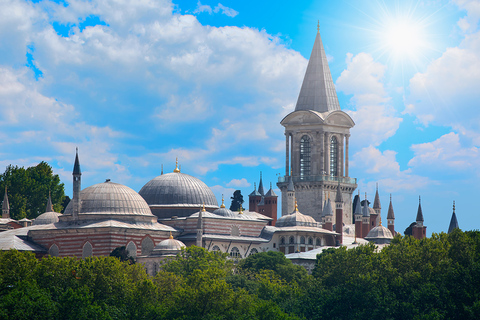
(203,8)
(237,183)
(229,12)
(469,23)
(374,116)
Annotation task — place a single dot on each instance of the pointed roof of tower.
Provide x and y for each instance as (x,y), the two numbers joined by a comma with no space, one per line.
(419,211)
(49,207)
(366,212)
(338,196)
(260,185)
(76,166)
(453,222)
(5,204)
(358,208)
(270,192)
(290,186)
(254,192)
(318,91)
(390,214)
(376,202)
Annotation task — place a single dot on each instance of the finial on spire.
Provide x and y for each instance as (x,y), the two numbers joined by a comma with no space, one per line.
(176,170)
(453,206)
(390,197)
(419,200)
(223,203)
(203,209)
(377,186)
(380,223)
(365,196)
(171,237)
(318,26)
(296,206)
(240,210)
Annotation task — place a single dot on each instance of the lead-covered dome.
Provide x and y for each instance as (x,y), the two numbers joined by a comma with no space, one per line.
(379,235)
(47,218)
(178,194)
(112,199)
(296,219)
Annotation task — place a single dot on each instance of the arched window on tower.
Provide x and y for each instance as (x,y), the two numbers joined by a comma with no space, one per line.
(304,156)
(333,156)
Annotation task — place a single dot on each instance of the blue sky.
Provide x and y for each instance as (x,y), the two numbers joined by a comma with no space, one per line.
(135,84)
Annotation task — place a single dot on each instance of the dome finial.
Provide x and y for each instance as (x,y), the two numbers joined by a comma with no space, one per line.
(240,210)
(171,237)
(203,209)
(380,223)
(296,206)
(223,203)
(318,26)
(176,166)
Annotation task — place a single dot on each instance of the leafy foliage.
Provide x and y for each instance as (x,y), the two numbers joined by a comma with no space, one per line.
(28,190)
(237,200)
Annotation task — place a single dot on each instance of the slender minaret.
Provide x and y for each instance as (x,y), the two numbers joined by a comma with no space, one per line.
(419,230)
(358,218)
(377,208)
(49,207)
(77,186)
(200,227)
(391,217)
(453,222)
(5,206)
(324,210)
(290,196)
(365,218)
(339,215)
(328,225)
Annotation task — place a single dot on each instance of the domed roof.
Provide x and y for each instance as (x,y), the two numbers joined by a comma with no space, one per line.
(111,198)
(46,218)
(168,246)
(379,233)
(178,189)
(296,219)
(225,212)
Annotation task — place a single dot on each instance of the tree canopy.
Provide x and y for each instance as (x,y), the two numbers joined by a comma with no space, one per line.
(237,200)
(28,190)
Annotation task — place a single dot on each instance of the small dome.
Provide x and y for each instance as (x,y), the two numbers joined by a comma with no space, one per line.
(225,212)
(111,198)
(176,188)
(379,235)
(46,218)
(296,219)
(168,247)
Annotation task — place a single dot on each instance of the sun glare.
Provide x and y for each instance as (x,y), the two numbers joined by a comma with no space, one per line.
(404,38)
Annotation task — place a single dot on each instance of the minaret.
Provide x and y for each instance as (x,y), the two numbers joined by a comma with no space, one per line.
(358,218)
(5,206)
(200,227)
(377,208)
(324,210)
(339,215)
(391,218)
(365,218)
(49,207)
(328,225)
(317,136)
(77,187)
(453,222)
(290,196)
(419,230)
(260,185)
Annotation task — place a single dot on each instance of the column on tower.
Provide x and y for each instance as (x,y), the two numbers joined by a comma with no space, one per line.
(287,155)
(340,156)
(346,154)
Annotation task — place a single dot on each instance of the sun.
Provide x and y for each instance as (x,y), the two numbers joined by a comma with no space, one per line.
(403,38)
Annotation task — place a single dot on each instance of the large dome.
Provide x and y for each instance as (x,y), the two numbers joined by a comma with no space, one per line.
(111,198)
(170,194)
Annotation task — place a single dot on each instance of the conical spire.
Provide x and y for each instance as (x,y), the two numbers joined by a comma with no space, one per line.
(290,186)
(453,222)
(358,208)
(329,210)
(419,211)
(318,91)
(76,166)
(338,196)
(390,214)
(260,185)
(270,192)
(376,202)
(366,212)
(49,207)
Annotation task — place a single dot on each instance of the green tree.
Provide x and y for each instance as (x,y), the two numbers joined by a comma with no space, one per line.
(237,201)
(28,190)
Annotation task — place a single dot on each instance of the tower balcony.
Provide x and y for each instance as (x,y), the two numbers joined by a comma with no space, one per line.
(304,178)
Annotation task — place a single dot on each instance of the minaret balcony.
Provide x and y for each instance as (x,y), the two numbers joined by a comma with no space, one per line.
(318,178)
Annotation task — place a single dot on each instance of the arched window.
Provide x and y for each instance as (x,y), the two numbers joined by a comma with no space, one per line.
(333,156)
(216,249)
(235,253)
(282,240)
(310,241)
(291,240)
(302,240)
(147,246)
(253,251)
(304,156)
(53,251)
(87,250)
(132,249)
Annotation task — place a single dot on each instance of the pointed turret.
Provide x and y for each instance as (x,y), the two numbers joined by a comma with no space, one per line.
(391,217)
(270,192)
(453,222)
(376,203)
(290,195)
(338,196)
(365,218)
(260,185)
(328,225)
(419,211)
(339,215)
(76,166)
(290,187)
(419,231)
(5,206)
(77,186)
(49,207)
(358,217)
(270,207)
(318,91)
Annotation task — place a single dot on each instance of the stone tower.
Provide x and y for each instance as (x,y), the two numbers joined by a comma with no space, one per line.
(77,186)
(317,134)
